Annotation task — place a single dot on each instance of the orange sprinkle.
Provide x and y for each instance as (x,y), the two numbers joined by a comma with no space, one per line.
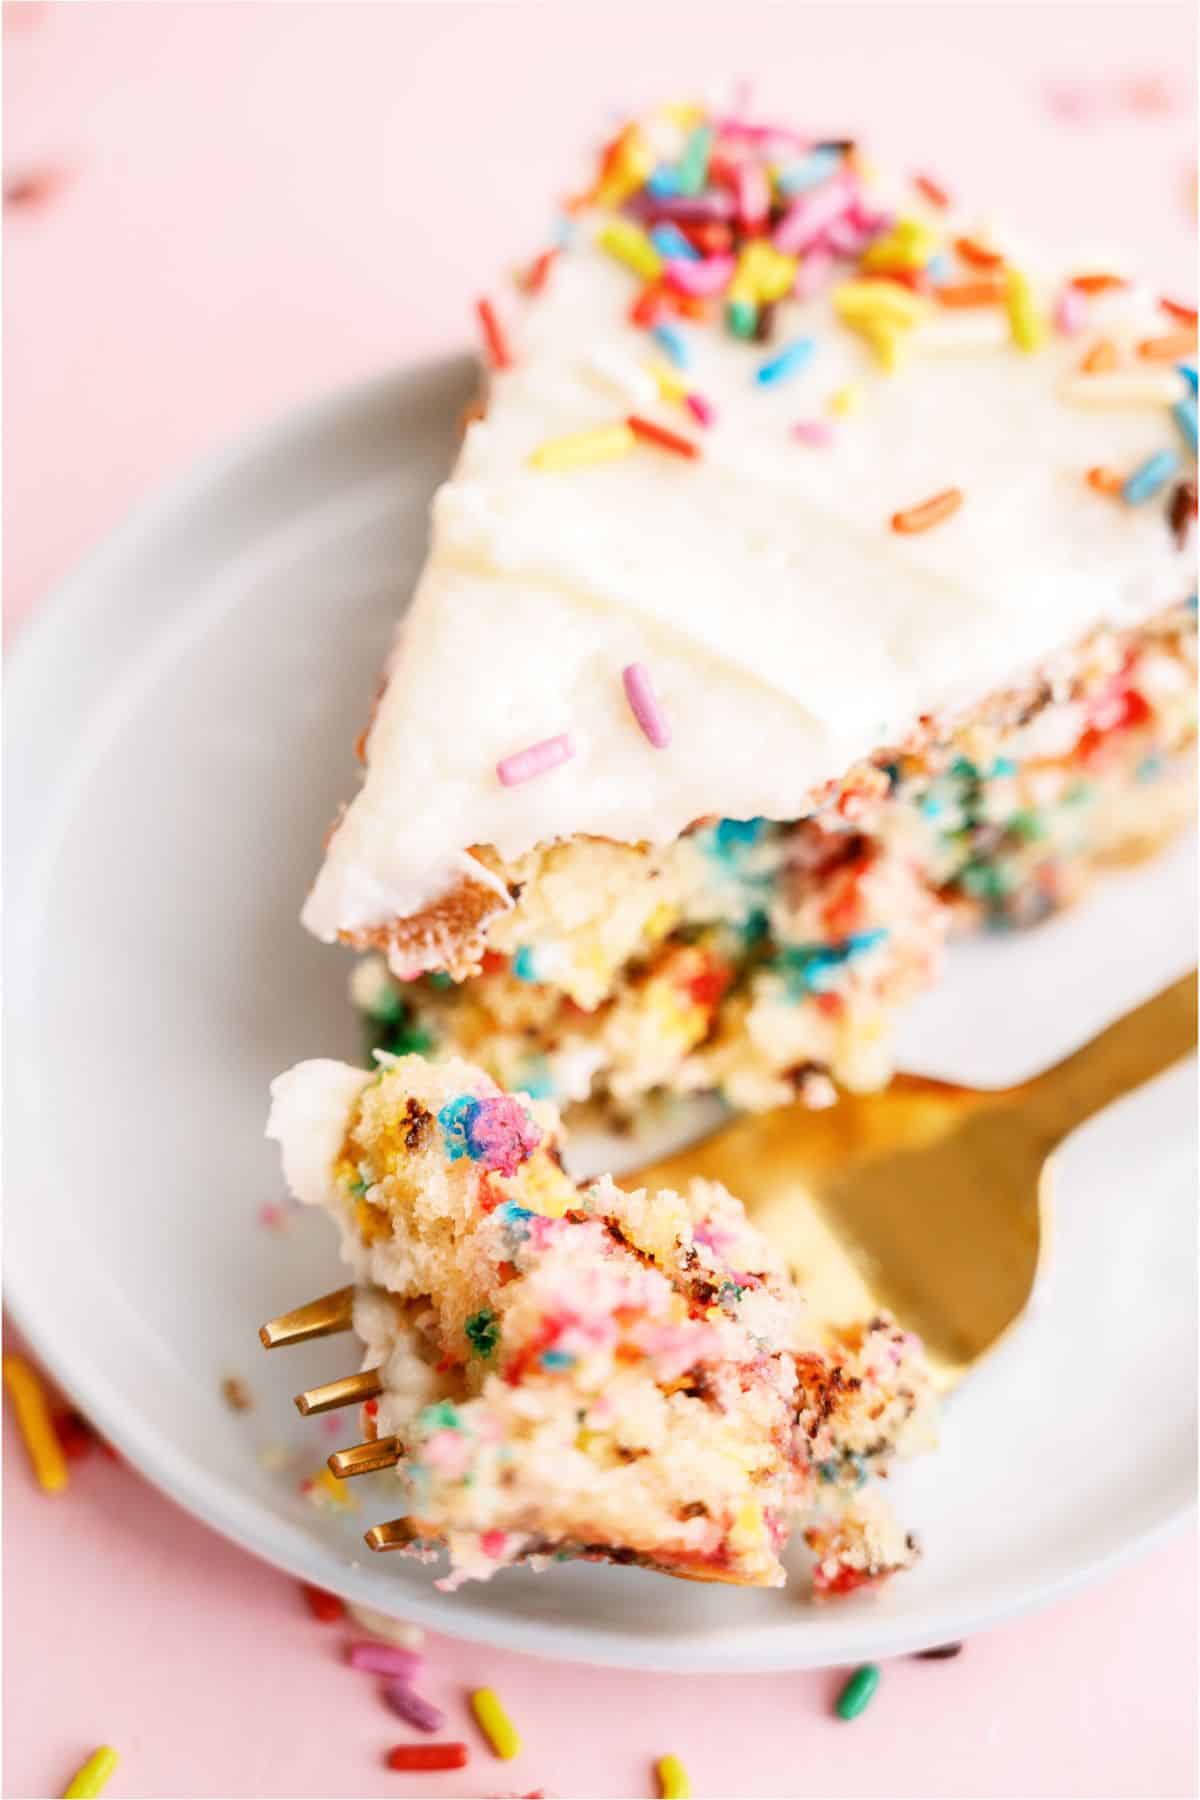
(687,306)
(1098,284)
(930,512)
(1105,481)
(1169,348)
(932,190)
(987,291)
(658,434)
(539,271)
(648,305)
(980,256)
(1100,358)
(498,351)
(1177,310)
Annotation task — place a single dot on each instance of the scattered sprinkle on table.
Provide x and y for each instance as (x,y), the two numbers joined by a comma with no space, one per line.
(1100,358)
(643,703)
(672,341)
(327,1609)
(1184,414)
(912,519)
(1168,348)
(386,1659)
(858,1692)
(495,1723)
(35,1424)
(1024,320)
(940,1653)
(412,1707)
(524,765)
(673,1782)
(1105,481)
(817,432)
(1176,309)
(411,1758)
(580,448)
(93,1777)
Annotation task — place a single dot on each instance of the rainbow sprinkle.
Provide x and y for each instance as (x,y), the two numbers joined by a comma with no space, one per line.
(93,1777)
(643,703)
(673,1781)
(524,765)
(35,1424)
(788,361)
(930,512)
(495,1724)
(1150,478)
(583,447)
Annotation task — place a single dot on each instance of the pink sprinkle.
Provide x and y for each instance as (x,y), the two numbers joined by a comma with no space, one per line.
(753,196)
(816,432)
(644,705)
(386,1659)
(492,1544)
(1070,311)
(813,273)
(758,134)
(523,765)
(699,279)
(421,1713)
(845,238)
(810,215)
(270,1215)
(702,410)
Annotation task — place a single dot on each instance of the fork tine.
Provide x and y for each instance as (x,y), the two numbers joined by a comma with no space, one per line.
(394,1535)
(320,1318)
(365,1459)
(346,1391)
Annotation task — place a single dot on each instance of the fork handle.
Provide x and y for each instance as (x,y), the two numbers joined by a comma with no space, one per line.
(1131,1051)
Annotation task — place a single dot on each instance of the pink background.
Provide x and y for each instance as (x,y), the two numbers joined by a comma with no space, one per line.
(260,202)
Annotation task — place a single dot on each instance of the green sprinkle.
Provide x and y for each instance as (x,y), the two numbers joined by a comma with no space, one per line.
(439,979)
(858,1692)
(742,317)
(483,1332)
(691,173)
(389,1007)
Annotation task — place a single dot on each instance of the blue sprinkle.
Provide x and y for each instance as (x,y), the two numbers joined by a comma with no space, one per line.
(455,1120)
(672,340)
(812,968)
(1004,765)
(1188,371)
(669,241)
(789,361)
(564,232)
(1184,414)
(537,1081)
(523,964)
(557,1359)
(1150,478)
(808,172)
(729,836)
(664,182)
(1191,602)
(828,1470)
(938,268)
(1150,767)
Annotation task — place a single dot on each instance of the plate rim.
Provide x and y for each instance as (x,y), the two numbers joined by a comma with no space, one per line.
(243,1518)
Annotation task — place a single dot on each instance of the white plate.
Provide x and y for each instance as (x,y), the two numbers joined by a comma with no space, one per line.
(179,724)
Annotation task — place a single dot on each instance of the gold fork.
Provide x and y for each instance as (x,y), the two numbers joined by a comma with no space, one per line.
(928,1201)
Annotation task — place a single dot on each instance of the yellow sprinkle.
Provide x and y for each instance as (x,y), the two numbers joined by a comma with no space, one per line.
(543,1188)
(495,1724)
(888,343)
(631,167)
(671,386)
(749,1528)
(846,400)
(33,1421)
(858,302)
(673,1783)
(584,447)
(630,245)
(763,274)
(327,1492)
(92,1778)
(908,245)
(1124,388)
(1025,321)
(684,113)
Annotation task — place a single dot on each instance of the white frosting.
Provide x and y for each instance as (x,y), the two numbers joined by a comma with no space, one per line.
(310,1105)
(786,627)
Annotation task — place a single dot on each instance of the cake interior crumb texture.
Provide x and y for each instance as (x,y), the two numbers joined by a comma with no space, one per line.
(578,1371)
